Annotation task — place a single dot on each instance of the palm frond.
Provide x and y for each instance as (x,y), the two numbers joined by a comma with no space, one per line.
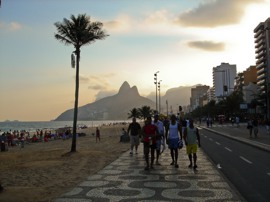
(79,31)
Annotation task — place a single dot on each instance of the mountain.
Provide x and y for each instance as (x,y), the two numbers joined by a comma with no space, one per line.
(114,107)
(175,96)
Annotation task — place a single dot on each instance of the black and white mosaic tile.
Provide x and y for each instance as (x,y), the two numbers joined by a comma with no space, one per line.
(126,180)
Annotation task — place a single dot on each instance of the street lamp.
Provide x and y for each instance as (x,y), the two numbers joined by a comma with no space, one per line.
(159,94)
(167,108)
(155,82)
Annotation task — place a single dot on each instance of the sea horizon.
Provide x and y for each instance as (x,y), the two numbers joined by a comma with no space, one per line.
(6,126)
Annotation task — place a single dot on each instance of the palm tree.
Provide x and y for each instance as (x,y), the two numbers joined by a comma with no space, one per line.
(134,113)
(78,31)
(145,111)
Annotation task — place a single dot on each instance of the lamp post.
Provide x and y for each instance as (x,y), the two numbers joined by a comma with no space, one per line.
(159,95)
(155,82)
(167,108)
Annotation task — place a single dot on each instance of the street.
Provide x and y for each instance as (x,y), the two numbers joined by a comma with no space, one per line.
(246,167)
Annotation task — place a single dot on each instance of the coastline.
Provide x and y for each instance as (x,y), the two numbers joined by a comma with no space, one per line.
(43,171)
(32,126)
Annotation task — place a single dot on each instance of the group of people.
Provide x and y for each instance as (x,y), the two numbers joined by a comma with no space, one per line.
(156,133)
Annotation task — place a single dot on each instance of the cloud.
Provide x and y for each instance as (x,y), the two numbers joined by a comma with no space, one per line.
(157,22)
(213,13)
(12,26)
(122,23)
(207,45)
(158,17)
(96,87)
(100,82)
(103,94)
(83,79)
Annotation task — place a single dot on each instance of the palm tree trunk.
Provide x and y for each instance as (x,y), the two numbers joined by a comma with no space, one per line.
(74,133)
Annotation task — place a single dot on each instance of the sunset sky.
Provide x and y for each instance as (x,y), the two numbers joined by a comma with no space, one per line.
(182,39)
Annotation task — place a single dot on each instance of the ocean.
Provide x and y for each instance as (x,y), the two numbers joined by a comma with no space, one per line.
(52,125)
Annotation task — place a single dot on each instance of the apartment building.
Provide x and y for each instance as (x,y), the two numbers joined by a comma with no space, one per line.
(262,51)
(223,79)
(196,94)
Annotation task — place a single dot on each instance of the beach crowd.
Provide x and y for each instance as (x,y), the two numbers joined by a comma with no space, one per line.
(20,138)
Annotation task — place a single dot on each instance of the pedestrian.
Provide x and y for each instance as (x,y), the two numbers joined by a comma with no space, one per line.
(268,127)
(250,127)
(133,131)
(149,131)
(192,141)
(207,122)
(237,120)
(255,127)
(172,137)
(97,134)
(210,122)
(160,136)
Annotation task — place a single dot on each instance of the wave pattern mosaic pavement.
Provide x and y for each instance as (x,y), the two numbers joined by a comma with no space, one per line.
(126,180)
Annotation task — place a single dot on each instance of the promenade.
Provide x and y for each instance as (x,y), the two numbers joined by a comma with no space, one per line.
(125,178)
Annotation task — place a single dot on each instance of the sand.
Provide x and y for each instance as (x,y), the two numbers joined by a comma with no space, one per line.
(43,171)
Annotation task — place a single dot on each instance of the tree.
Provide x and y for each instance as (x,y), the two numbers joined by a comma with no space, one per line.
(134,113)
(78,31)
(145,111)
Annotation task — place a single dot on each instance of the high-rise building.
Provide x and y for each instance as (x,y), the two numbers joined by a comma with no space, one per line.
(196,93)
(223,79)
(262,51)
(245,78)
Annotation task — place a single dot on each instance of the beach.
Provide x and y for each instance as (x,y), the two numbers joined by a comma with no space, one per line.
(45,170)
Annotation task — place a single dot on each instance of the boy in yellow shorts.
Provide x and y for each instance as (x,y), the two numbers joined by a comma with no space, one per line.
(192,141)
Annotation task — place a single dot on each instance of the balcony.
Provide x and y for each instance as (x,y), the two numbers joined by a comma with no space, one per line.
(261,77)
(260,60)
(261,82)
(258,33)
(261,48)
(261,42)
(260,54)
(260,66)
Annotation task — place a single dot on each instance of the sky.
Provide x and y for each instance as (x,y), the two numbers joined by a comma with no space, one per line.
(181,39)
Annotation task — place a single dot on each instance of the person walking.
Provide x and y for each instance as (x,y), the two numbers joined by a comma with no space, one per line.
(255,127)
(97,134)
(149,132)
(172,137)
(133,131)
(250,127)
(160,136)
(268,126)
(237,120)
(192,139)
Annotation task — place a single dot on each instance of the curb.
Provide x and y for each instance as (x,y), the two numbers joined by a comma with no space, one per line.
(258,145)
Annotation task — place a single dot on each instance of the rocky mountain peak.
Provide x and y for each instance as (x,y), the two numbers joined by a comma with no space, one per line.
(124,88)
(134,90)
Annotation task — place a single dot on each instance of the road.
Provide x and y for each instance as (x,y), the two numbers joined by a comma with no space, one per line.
(246,167)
